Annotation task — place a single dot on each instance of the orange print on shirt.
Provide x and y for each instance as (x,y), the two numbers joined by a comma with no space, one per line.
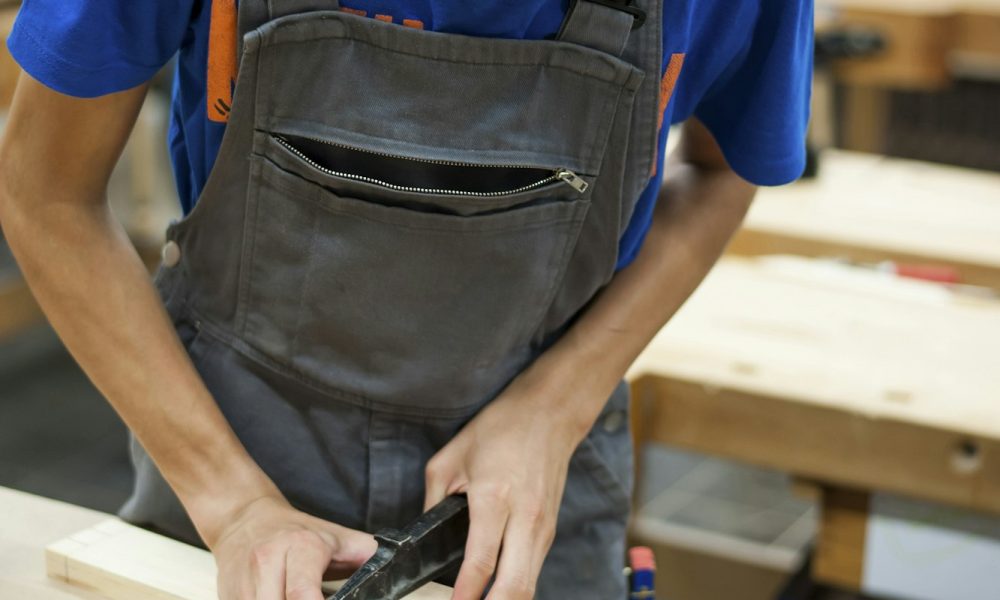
(221,60)
(667,85)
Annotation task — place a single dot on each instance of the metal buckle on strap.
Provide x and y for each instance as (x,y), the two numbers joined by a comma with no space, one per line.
(638,15)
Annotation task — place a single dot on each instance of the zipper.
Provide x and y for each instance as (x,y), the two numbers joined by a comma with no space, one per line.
(561,174)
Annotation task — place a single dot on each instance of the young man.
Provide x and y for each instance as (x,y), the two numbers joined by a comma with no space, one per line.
(423,242)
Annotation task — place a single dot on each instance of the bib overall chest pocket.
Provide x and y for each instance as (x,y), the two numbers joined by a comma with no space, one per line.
(415,200)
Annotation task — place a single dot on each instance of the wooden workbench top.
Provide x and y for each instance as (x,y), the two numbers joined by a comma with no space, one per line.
(834,373)
(889,207)
(27,525)
(97,551)
(932,7)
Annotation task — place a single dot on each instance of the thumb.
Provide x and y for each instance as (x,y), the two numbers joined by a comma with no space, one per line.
(353,549)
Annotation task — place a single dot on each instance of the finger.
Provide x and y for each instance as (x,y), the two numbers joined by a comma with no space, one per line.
(436,484)
(488,514)
(267,562)
(526,541)
(305,563)
(351,548)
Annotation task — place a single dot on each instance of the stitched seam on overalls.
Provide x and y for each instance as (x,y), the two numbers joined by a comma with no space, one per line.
(250,224)
(248,251)
(611,108)
(626,79)
(649,56)
(590,153)
(568,249)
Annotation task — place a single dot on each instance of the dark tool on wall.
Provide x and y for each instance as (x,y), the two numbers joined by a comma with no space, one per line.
(430,547)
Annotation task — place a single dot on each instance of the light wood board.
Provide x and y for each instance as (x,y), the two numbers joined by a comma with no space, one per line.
(871,208)
(27,524)
(934,7)
(832,373)
(123,562)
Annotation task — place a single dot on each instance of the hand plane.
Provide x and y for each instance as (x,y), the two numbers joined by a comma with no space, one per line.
(431,546)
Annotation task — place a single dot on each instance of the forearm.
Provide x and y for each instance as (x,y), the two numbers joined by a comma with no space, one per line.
(97,294)
(697,213)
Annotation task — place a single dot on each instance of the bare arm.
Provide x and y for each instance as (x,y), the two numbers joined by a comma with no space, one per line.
(56,156)
(513,457)
(701,205)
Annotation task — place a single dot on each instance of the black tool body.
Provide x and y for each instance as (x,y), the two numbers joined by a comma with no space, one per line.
(431,546)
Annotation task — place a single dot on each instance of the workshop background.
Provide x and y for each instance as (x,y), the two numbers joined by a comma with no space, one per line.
(821,420)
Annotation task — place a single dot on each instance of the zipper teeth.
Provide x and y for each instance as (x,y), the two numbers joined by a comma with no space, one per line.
(402,188)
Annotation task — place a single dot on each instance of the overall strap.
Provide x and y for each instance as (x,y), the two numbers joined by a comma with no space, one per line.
(601,24)
(254,13)
(282,8)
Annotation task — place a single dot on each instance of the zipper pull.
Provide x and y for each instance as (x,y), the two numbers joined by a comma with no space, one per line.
(572,179)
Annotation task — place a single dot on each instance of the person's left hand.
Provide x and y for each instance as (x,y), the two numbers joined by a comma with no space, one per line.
(511,461)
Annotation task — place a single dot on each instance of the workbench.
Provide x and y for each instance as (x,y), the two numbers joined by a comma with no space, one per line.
(96,551)
(853,380)
(28,524)
(870,208)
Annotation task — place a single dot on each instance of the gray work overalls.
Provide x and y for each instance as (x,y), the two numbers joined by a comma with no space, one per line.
(398,222)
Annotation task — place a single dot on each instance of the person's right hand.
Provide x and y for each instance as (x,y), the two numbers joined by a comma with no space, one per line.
(272,551)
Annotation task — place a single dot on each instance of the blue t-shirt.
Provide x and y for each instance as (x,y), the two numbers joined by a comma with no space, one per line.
(743,67)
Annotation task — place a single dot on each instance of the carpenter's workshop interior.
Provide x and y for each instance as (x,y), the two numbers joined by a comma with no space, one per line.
(442,300)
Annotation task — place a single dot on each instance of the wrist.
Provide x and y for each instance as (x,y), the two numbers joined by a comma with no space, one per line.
(572,389)
(217,483)
(213,510)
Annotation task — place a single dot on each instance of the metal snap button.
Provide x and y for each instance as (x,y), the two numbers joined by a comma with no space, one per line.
(614,421)
(171,254)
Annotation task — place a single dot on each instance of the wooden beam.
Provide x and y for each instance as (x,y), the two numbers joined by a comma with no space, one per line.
(123,562)
(824,443)
(840,543)
(834,374)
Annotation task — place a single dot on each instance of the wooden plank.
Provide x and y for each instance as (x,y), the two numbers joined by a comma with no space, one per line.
(929,7)
(834,374)
(840,543)
(870,209)
(123,562)
(28,524)
(752,241)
